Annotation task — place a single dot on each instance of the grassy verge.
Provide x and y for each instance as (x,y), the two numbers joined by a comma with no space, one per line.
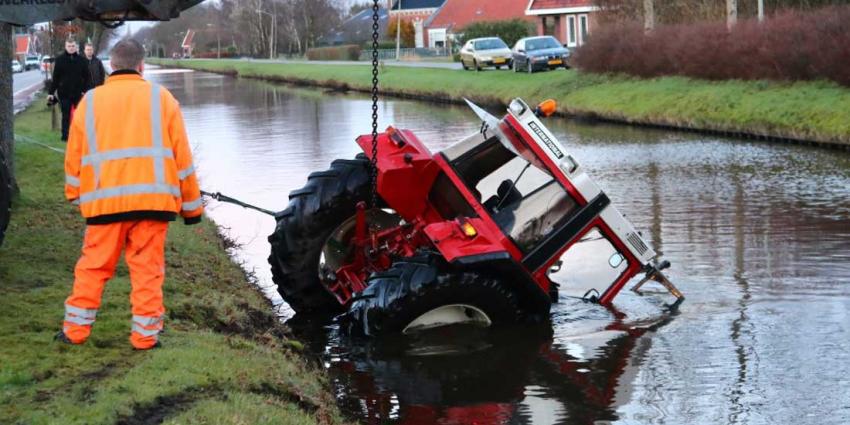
(813,111)
(225,360)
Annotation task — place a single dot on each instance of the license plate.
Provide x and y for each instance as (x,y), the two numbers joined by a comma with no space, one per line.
(499,60)
(555,62)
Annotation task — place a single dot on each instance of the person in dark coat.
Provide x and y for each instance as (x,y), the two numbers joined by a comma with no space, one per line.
(98,74)
(71,79)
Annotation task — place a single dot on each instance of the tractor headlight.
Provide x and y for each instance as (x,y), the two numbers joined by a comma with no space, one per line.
(517,107)
(468,229)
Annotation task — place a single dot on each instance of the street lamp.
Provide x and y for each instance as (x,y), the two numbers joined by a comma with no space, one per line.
(272,36)
(398,33)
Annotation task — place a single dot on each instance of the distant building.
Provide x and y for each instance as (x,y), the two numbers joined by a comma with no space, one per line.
(357,29)
(454,15)
(570,21)
(417,12)
(188,43)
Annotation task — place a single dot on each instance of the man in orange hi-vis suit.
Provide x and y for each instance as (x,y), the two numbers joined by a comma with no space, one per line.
(129,167)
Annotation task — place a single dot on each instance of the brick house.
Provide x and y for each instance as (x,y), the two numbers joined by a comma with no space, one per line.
(454,15)
(417,12)
(570,21)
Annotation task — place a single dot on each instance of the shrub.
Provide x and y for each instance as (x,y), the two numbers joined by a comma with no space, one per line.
(509,31)
(349,52)
(208,55)
(788,46)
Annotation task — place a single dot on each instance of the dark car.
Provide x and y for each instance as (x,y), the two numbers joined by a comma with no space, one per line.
(539,53)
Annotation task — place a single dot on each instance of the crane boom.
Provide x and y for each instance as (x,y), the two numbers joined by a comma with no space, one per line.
(27,12)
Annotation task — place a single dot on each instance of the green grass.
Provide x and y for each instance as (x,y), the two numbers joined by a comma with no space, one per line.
(225,359)
(817,111)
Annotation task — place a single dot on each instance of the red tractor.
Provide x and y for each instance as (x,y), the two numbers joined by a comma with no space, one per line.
(475,234)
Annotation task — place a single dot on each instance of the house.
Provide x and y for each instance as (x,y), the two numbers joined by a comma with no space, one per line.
(570,21)
(417,12)
(356,29)
(454,15)
(188,43)
(22,47)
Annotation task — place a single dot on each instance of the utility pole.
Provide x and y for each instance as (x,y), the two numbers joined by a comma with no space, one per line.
(398,33)
(761,10)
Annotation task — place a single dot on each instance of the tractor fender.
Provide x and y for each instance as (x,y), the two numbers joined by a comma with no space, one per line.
(532,297)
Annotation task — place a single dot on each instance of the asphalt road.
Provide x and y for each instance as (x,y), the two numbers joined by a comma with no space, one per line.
(24,84)
(26,80)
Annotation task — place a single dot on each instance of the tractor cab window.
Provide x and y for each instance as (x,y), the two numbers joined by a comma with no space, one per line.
(522,198)
(590,266)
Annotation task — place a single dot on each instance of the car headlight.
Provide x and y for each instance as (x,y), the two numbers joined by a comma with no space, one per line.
(486,58)
(539,59)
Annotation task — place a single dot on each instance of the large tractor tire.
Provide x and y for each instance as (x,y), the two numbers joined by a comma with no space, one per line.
(315,212)
(421,292)
(5,196)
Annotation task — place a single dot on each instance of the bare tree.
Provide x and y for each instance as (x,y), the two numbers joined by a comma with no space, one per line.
(731,13)
(648,15)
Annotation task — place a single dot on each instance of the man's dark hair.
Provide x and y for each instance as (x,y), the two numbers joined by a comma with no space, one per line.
(127,54)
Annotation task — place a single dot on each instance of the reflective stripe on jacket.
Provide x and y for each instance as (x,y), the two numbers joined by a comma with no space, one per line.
(128,152)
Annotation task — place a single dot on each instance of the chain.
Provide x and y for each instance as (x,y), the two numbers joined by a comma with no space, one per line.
(373,169)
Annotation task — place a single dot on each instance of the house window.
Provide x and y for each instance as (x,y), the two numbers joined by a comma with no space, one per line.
(571,31)
(549,25)
(582,23)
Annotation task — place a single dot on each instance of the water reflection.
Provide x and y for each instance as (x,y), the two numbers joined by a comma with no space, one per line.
(758,234)
(464,376)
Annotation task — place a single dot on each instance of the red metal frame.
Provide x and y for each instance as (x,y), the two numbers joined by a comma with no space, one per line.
(406,173)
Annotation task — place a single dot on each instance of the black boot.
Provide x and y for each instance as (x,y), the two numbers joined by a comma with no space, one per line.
(61,337)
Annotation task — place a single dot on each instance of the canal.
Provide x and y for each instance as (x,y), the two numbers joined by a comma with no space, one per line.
(758,234)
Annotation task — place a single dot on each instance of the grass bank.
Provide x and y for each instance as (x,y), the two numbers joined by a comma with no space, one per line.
(804,111)
(225,360)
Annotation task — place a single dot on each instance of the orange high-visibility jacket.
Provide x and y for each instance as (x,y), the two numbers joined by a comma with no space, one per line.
(128,155)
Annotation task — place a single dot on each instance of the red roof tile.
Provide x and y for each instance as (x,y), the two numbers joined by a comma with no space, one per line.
(188,39)
(460,13)
(558,4)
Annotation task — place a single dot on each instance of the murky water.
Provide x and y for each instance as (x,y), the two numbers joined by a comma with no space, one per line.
(758,234)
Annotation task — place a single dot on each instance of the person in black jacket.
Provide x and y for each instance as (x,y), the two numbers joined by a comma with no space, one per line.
(98,74)
(71,79)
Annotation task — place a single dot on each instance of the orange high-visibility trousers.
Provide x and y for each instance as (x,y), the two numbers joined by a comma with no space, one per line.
(144,241)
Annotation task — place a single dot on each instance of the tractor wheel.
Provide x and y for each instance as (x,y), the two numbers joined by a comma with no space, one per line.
(306,234)
(418,293)
(5,196)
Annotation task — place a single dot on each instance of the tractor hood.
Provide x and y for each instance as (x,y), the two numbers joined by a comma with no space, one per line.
(31,12)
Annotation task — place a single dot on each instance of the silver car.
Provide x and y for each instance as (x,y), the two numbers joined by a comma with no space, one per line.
(485,52)
(16,66)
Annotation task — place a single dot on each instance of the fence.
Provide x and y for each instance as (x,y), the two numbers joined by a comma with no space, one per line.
(405,53)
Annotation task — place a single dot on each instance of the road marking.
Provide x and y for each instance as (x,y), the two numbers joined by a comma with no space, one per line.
(15,94)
